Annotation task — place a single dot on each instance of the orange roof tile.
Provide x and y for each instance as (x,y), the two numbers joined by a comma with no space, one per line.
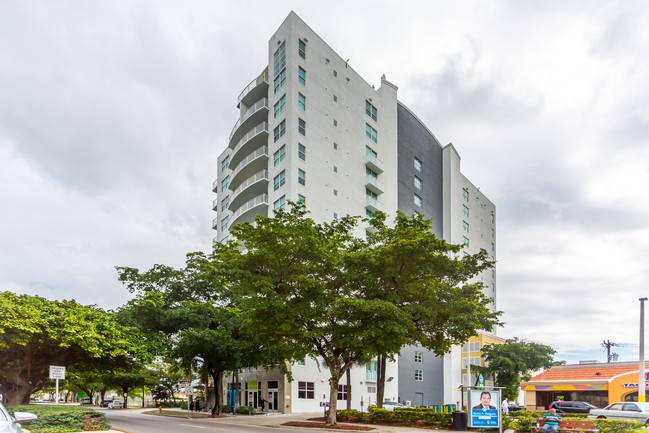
(587,371)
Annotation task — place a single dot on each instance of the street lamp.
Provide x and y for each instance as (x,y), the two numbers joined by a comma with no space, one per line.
(641,379)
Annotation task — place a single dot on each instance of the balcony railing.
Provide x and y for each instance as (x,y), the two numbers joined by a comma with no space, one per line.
(372,204)
(374,163)
(260,199)
(374,182)
(263,126)
(215,186)
(254,83)
(254,155)
(263,174)
(263,102)
(215,204)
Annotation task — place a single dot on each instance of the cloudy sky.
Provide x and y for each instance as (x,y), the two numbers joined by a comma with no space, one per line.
(112,114)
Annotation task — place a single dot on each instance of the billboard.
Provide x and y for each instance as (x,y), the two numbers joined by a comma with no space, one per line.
(484,408)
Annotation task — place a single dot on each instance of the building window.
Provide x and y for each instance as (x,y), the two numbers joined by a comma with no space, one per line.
(280,203)
(280,106)
(279,180)
(225,203)
(305,390)
(370,132)
(419,356)
(335,73)
(279,156)
(225,183)
(335,216)
(475,347)
(224,223)
(418,183)
(370,194)
(342,392)
(419,375)
(465,194)
(280,80)
(370,154)
(465,226)
(335,122)
(493,234)
(300,362)
(370,371)
(225,163)
(493,217)
(335,146)
(301,102)
(335,169)
(417,164)
(335,98)
(279,58)
(371,390)
(493,248)
(465,241)
(370,175)
(417,200)
(465,210)
(370,110)
(301,75)
(279,131)
(301,177)
(301,201)
(301,126)
(301,152)
(301,50)
(335,192)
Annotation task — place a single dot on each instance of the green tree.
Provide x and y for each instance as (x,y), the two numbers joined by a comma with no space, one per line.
(344,299)
(36,333)
(126,381)
(513,362)
(196,318)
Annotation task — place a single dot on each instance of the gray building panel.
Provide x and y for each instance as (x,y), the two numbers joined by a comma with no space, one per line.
(428,391)
(414,140)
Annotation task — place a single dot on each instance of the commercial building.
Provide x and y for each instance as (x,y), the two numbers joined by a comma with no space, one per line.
(597,383)
(311,129)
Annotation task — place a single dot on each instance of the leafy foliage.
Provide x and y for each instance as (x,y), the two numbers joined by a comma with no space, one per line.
(36,333)
(513,362)
(324,290)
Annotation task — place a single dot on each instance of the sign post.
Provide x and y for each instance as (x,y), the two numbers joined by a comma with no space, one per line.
(484,407)
(57,372)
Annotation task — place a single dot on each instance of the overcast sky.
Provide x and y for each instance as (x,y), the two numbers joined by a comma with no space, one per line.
(112,114)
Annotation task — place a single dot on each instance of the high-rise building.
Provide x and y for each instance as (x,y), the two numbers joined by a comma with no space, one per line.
(311,129)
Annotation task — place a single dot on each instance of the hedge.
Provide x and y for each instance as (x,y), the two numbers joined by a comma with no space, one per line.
(62,418)
(407,416)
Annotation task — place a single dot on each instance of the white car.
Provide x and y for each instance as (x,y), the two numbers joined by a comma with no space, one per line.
(623,410)
(11,424)
(391,405)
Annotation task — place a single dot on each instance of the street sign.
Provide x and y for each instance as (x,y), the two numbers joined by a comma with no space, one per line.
(324,404)
(57,372)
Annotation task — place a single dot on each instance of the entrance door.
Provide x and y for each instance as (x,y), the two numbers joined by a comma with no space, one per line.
(252,398)
(272,400)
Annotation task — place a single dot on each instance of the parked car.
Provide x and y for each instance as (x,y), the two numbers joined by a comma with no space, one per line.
(105,403)
(391,405)
(623,410)
(513,407)
(86,400)
(117,403)
(572,406)
(10,424)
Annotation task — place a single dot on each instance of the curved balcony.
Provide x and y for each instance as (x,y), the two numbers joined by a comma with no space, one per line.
(253,115)
(255,90)
(252,163)
(256,137)
(247,211)
(251,187)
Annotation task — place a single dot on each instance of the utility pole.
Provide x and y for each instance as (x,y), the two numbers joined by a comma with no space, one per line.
(608,345)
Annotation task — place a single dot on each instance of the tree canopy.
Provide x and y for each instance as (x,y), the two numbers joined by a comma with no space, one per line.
(36,332)
(513,362)
(316,289)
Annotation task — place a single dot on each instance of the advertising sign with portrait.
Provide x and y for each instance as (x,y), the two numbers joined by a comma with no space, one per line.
(484,408)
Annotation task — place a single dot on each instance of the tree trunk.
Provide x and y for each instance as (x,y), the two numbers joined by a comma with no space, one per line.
(217,377)
(125,391)
(381,363)
(349,391)
(17,395)
(333,397)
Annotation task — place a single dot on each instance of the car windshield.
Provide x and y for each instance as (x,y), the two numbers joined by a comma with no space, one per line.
(643,406)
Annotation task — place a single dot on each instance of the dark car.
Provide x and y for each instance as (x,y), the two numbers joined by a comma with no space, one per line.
(513,407)
(105,403)
(572,406)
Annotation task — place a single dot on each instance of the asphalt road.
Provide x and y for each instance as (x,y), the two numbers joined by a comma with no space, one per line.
(135,422)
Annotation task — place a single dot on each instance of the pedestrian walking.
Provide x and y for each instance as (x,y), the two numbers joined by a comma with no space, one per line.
(197,405)
(505,406)
(191,406)
(262,403)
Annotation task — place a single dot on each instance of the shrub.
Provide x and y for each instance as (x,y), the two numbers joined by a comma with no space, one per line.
(617,426)
(226,408)
(54,418)
(419,417)
(507,421)
(524,423)
(245,410)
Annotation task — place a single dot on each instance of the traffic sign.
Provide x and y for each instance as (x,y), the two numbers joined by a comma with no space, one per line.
(57,372)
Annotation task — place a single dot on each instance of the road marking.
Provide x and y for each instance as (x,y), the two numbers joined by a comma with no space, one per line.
(191,425)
